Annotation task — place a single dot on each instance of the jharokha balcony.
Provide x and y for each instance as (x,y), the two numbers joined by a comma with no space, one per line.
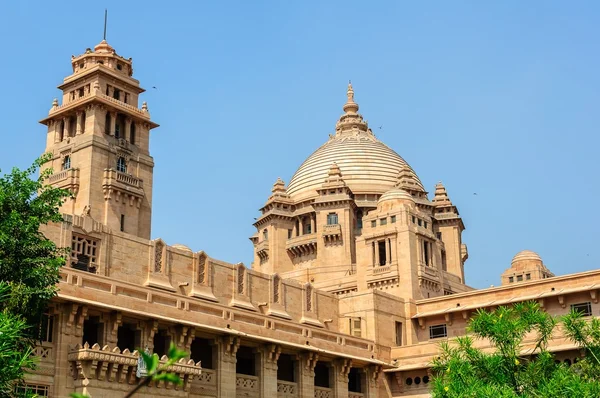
(302,245)
(116,182)
(332,232)
(66,179)
(112,365)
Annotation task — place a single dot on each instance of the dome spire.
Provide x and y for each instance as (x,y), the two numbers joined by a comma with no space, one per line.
(350,106)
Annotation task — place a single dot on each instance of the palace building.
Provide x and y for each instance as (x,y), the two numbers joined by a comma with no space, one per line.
(358,271)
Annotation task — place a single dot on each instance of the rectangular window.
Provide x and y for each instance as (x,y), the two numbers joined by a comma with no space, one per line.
(382,252)
(584,308)
(420,222)
(355,327)
(393,219)
(398,333)
(438,331)
(383,221)
(438,235)
(425,224)
(519,278)
(426,256)
(289,234)
(511,279)
(373,224)
(444,264)
(413,218)
(528,277)
(46,328)
(33,389)
(122,222)
(332,219)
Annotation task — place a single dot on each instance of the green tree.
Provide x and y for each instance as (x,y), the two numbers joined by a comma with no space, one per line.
(29,267)
(510,369)
(29,262)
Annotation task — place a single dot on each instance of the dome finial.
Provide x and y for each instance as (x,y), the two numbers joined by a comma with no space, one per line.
(350,106)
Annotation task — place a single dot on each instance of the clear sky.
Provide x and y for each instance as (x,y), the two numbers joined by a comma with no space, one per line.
(495,98)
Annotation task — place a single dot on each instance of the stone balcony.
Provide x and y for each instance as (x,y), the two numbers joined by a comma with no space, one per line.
(45,356)
(122,183)
(332,233)
(322,392)
(428,277)
(302,245)
(116,366)
(100,97)
(247,386)
(262,249)
(66,179)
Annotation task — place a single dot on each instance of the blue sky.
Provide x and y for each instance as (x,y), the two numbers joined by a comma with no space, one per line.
(495,98)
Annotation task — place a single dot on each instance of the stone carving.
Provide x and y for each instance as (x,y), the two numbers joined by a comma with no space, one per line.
(241,285)
(309,297)
(276,288)
(158,256)
(202,269)
(86,210)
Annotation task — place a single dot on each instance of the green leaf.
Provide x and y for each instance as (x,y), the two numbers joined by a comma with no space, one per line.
(171,377)
(78,395)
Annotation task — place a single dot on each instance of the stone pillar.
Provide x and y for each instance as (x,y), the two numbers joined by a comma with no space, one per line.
(65,132)
(294,231)
(374,374)
(79,128)
(306,374)
(301,226)
(55,126)
(113,123)
(127,129)
(268,370)
(226,376)
(312,224)
(341,369)
(376,253)
(388,251)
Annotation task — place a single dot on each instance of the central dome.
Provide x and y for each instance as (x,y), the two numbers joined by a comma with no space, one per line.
(367,165)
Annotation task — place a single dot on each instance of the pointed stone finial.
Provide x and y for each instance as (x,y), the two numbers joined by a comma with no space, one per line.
(350,106)
(334,170)
(55,103)
(441,196)
(145,106)
(279,186)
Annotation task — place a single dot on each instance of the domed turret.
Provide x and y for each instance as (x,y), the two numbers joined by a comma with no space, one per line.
(526,266)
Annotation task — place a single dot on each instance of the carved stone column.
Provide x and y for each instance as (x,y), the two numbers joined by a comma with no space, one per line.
(127,129)
(65,132)
(301,226)
(376,253)
(312,224)
(79,127)
(374,373)
(268,372)
(226,376)
(306,374)
(341,369)
(113,123)
(388,252)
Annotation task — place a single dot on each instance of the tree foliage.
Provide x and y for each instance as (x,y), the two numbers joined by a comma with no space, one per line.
(519,364)
(29,262)
(29,268)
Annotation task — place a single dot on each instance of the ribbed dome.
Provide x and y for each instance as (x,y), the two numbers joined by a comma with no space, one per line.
(396,194)
(526,255)
(367,165)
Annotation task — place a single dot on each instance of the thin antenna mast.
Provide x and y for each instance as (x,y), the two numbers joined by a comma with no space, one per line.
(105,17)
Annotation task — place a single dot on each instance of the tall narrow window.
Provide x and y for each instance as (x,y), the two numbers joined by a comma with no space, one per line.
(382,252)
(332,218)
(107,122)
(444,265)
(117,94)
(122,222)
(355,327)
(66,163)
(83,123)
(307,226)
(61,129)
(72,126)
(121,165)
(426,257)
(390,246)
(266,234)
(126,97)
(132,133)
(359,221)
(398,333)
(289,234)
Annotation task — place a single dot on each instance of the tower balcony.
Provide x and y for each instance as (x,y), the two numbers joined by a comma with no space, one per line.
(66,179)
(262,250)
(122,183)
(332,233)
(302,245)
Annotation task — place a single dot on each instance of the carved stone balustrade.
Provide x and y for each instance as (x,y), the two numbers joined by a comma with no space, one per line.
(45,355)
(302,245)
(205,384)
(112,365)
(332,233)
(66,179)
(286,389)
(247,386)
(355,395)
(322,392)
(118,185)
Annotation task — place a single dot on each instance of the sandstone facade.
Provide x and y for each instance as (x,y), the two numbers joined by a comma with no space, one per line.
(356,278)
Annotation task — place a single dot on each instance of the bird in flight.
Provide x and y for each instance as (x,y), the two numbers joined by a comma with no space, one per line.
(475,193)
(380,127)
(154,87)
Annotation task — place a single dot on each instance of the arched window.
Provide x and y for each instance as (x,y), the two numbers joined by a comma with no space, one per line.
(66,163)
(121,165)
(332,219)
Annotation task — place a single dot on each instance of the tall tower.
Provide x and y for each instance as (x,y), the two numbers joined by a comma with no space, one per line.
(99,141)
